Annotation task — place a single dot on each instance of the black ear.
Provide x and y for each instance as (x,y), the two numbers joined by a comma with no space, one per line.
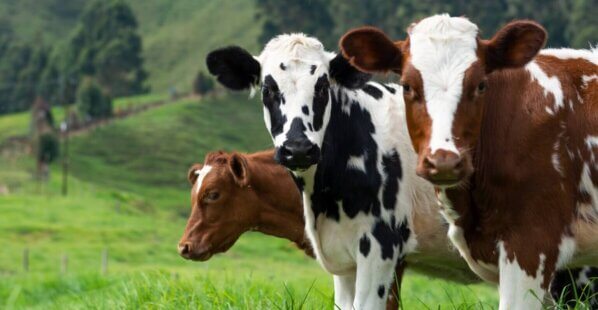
(346,75)
(234,67)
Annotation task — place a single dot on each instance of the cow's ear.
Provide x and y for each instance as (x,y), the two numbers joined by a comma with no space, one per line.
(192,174)
(234,67)
(514,45)
(238,167)
(370,50)
(346,75)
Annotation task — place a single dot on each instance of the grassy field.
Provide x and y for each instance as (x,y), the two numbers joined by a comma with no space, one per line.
(128,194)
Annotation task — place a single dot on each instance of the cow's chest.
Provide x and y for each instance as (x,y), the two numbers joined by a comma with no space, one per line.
(485,269)
(333,233)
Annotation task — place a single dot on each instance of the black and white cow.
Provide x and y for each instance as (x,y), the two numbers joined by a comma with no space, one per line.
(335,131)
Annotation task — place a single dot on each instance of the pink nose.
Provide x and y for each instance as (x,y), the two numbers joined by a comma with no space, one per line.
(443,167)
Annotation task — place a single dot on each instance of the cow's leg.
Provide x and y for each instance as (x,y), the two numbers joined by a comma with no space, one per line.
(344,291)
(523,288)
(374,279)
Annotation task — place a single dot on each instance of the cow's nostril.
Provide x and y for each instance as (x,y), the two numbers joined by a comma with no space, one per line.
(459,165)
(429,163)
(285,152)
(184,249)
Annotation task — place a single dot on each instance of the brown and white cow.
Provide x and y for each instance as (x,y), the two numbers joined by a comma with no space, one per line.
(508,134)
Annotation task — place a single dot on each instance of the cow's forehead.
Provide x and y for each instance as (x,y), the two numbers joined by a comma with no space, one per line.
(442,48)
(293,54)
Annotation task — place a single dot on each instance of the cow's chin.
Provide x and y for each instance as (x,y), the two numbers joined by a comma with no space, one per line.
(203,254)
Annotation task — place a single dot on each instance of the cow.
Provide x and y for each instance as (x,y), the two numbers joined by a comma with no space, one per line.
(233,193)
(336,132)
(508,135)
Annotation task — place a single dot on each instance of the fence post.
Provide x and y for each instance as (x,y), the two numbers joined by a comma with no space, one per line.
(104,261)
(26,259)
(64,266)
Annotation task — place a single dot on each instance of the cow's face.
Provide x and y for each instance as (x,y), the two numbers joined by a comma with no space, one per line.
(444,67)
(296,76)
(223,206)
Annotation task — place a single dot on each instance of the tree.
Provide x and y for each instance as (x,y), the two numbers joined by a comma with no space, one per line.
(45,144)
(583,24)
(309,16)
(93,102)
(106,45)
(202,84)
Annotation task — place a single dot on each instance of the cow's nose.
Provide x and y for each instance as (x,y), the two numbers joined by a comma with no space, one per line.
(298,154)
(443,167)
(185,249)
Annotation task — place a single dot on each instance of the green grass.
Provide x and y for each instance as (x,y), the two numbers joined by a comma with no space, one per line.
(128,194)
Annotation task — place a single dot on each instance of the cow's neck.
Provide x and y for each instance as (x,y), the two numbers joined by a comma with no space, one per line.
(281,212)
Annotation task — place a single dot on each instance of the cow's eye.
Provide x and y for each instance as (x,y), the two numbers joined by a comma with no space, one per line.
(212,196)
(482,87)
(406,88)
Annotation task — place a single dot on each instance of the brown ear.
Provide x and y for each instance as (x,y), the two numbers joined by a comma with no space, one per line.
(192,174)
(238,167)
(370,50)
(514,45)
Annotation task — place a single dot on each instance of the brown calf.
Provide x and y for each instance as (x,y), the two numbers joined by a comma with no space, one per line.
(510,142)
(243,192)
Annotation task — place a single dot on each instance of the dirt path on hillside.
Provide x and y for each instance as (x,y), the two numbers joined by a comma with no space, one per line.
(20,144)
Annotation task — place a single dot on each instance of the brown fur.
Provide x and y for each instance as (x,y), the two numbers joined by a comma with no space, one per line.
(506,138)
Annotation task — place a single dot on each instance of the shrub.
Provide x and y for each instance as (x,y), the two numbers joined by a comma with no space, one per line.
(93,102)
(202,84)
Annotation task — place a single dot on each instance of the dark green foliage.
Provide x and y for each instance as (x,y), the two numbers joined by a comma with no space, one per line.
(202,84)
(569,23)
(47,150)
(21,66)
(106,45)
(309,16)
(93,102)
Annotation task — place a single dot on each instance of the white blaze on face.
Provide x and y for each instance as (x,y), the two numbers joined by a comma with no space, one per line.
(201,175)
(442,48)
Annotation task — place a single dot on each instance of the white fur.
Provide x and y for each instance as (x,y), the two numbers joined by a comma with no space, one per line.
(549,84)
(201,174)
(357,163)
(442,49)
(586,79)
(569,53)
(566,251)
(518,290)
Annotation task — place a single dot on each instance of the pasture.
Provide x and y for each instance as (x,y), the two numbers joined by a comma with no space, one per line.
(128,194)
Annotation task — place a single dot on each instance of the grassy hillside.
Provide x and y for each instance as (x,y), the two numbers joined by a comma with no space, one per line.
(128,195)
(176,34)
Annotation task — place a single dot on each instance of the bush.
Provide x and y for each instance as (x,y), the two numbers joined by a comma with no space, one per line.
(202,84)
(93,102)
(48,146)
